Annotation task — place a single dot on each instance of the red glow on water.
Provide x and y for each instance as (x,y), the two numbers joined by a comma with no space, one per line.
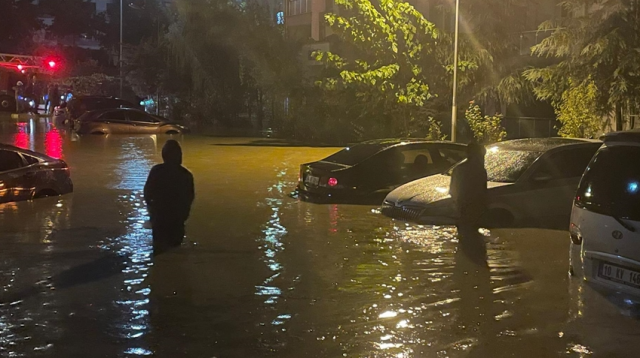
(53,143)
(333,218)
(21,138)
(332,182)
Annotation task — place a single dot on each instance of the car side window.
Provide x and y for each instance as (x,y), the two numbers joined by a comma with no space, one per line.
(566,164)
(114,115)
(453,156)
(10,160)
(30,160)
(135,116)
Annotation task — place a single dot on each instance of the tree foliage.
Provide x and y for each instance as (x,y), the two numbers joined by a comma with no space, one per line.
(597,43)
(397,64)
(492,28)
(577,111)
(71,18)
(486,129)
(17,25)
(232,58)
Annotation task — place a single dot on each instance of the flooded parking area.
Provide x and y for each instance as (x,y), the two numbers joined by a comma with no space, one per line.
(262,274)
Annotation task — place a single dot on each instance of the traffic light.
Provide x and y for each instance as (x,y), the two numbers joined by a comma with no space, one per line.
(51,63)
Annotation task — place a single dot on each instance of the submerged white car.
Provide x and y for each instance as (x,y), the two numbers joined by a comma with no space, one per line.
(605,221)
(529,179)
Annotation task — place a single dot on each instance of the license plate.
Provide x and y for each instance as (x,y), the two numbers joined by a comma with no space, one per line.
(310,179)
(619,274)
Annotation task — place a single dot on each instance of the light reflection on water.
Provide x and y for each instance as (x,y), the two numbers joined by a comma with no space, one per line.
(334,280)
(271,244)
(136,160)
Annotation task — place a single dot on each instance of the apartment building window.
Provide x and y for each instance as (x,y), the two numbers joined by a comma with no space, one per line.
(297,7)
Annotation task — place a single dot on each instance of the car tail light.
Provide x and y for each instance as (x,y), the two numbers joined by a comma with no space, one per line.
(332,182)
(574,233)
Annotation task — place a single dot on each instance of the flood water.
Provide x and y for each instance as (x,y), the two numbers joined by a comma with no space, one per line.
(262,274)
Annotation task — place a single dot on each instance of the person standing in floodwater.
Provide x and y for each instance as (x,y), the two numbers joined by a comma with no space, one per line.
(169,193)
(469,193)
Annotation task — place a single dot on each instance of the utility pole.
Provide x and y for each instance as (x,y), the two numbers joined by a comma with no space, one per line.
(454,104)
(120,59)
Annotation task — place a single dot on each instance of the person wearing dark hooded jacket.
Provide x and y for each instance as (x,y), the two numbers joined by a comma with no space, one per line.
(469,193)
(169,193)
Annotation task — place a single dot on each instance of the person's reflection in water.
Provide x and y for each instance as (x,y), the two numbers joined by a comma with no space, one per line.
(169,192)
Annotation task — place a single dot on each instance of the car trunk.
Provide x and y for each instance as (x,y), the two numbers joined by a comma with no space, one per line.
(316,174)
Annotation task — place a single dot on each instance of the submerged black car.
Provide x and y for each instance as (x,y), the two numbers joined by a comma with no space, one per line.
(26,175)
(372,169)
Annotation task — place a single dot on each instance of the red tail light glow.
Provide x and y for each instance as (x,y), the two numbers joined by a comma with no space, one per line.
(332,182)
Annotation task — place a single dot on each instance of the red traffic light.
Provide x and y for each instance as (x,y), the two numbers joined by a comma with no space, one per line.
(51,63)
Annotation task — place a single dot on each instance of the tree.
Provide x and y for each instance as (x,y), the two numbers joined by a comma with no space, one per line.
(486,129)
(146,20)
(596,44)
(577,111)
(19,22)
(397,63)
(234,59)
(493,27)
(71,18)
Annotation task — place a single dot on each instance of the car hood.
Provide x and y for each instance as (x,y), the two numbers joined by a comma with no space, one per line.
(427,190)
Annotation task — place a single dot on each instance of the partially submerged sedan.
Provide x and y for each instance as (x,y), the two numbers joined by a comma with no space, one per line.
(528,180)
(26,175)
(370,170)
(125,121)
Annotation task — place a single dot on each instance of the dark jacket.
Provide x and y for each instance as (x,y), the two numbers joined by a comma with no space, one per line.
(169,191)
(469,188)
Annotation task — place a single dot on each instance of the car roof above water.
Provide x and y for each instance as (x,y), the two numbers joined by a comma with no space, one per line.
(541,144)
(396,141)
(26,151)
(623,136)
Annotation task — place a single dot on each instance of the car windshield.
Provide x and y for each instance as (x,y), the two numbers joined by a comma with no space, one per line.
(506,166)
(613,195)
(354,154)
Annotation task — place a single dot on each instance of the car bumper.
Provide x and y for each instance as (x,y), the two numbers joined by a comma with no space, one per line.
(324,192)
(591,272)
(436,215)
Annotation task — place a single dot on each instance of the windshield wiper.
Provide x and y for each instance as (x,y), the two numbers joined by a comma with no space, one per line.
(624,224)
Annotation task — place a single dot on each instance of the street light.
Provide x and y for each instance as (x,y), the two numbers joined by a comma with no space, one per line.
(454,104)
(120,60)
(134,6)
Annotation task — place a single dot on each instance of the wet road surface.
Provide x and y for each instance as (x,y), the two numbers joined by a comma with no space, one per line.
(264,275)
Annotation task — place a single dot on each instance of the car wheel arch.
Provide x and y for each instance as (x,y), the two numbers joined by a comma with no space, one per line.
(501,215)
(45,192)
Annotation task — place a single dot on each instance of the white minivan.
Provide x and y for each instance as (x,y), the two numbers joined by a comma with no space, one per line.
(605,220)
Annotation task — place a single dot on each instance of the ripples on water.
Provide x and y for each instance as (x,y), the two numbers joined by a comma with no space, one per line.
(77,273)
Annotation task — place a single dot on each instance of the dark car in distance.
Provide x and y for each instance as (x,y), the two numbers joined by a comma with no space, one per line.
(369,170)
(125,121)
(26,175)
